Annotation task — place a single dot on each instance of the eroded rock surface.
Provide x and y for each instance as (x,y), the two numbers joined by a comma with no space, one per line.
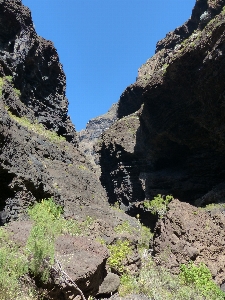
(109,285)
(187,233)
(35,70)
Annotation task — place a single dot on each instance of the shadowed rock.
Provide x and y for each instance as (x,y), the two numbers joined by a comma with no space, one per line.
(39,157)
(176,143)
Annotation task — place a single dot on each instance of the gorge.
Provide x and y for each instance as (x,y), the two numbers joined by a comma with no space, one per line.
(165,136)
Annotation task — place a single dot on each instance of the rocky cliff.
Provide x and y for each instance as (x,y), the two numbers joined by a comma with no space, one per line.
(39,157)
(89,136)
(169,138)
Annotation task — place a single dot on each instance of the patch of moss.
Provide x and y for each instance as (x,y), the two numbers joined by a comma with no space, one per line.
(124,227)
(82,167)
(116,206)
(37,128)
(213,206)
(9,79)
(164,67)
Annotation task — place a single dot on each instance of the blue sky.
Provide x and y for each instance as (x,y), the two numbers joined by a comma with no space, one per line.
(102,43)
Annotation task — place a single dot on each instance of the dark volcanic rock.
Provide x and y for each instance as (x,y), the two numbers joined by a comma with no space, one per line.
(84,261)
(120,173)
(33,167)
(187,233)
(177,143)
(33,64)
(35,162)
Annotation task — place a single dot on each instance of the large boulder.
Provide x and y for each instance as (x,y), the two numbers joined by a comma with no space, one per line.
(187,233)
(82,259)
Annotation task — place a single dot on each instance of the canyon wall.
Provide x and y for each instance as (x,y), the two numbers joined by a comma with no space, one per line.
(169,138)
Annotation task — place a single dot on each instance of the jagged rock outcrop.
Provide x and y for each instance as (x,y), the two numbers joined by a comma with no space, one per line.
(172,118)
(187,233)
(39,157)
(35,70)
(89,136)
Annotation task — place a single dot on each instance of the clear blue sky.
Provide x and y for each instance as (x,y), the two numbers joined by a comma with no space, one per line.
(102,43)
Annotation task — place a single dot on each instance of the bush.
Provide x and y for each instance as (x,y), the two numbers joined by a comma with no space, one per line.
(13,265)
(159,284)
(128,285)
(47,225)
(38,255)
(118,253)
(146,236)
(124,227)
(158,205)
(201,277)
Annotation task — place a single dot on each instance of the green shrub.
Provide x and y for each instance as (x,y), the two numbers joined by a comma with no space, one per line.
(13,265)
(1,85)
(212,206)
(41,242)
(159,284)
(201,277)
(37,256)
(9,79)
(100,240)
(116,206)
(118,253)
(128,285)
(144,240)
(17,92)
(158,205)
(124,227)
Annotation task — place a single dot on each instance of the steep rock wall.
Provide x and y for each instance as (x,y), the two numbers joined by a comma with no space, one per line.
(178,139)
(39,157)
(35,70)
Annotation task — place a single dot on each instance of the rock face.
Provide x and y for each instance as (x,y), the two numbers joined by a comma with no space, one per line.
(95,127)
(187,233)
(36,74)
(39,153)
(39,157)
(169,138)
